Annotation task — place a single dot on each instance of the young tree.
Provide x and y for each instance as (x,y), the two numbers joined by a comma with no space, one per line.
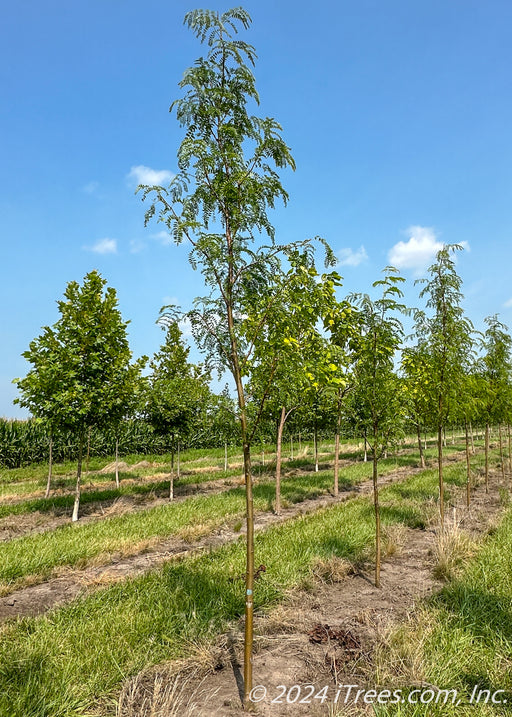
(447,333)
(88,362)
(376,400)
(495,372)
(218,202)
(177,391)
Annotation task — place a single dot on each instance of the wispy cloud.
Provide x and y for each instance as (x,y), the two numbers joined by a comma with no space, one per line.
(136,246)
(163,237)
(90,187)
(417,252)
(145,175)
(103,246)
(349,257)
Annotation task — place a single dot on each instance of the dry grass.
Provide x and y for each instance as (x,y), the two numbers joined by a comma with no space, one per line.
(393,539)
(453,547)
(332,569)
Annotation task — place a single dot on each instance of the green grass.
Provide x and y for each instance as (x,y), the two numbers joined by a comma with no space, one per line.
(67,661)
(76,544)
(463,636)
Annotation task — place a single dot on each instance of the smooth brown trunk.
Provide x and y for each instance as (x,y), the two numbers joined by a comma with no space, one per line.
(472,439)
(440,471)
(279,442)
(509,449)
(420,446)
(76,505)
(502,461)
(225,456)
(50,468)
(486,457)
(468,467)
(316,446)
(117,462)
(377,516)
(337,450)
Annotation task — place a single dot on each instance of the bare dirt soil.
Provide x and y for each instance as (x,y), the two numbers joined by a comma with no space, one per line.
(324,637)
(68,583)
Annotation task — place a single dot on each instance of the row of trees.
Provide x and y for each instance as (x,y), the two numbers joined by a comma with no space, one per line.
(268,318)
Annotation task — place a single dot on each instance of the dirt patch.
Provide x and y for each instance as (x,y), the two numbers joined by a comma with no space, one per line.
(318,640)
(37,599)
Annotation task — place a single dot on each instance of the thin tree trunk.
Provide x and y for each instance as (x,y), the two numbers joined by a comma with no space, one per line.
(50,467)
(171,477)
(291,447)
(88,450)
(502,461)
(337,449)
(278,459)
(472,440)
(225,456)
(377,514)
(263,455)
(509,449)
(486,457)
(76,505)
(440,470)
(468,467)
(420,446)
(316,446)
(178,464)
(365,449)
(300,444)
(117,462)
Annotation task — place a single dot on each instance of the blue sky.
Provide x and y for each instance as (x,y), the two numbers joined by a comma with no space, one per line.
(398,114)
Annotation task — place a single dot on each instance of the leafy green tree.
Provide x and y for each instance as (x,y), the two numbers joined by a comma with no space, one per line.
(81,375)
(218,202)
(291,357)
(376,401)
(177,391)
(448,335)
(495,371)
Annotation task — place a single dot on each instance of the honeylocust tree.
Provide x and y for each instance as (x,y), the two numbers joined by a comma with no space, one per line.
(218,202)
(448,335)
(291,356)
(495,371)
(177,391)
(39,388)
(376,401)
(85,357)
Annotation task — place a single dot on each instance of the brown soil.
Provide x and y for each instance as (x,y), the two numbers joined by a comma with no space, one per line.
(324,637)
(39,598)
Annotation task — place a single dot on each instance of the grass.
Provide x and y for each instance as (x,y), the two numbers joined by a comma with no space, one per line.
(35,556)
(63,663)
(78,656)
(462,637)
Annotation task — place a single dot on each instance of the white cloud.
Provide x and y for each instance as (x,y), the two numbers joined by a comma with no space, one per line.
(416,253)
(136,246)
(90,187)
(508,304)
(349,257)
(104,246)
(163,237)
(145,175)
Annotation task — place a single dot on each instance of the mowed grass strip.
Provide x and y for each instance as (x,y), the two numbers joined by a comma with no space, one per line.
(34,558)
(460,640)
(75,544)
(77,656)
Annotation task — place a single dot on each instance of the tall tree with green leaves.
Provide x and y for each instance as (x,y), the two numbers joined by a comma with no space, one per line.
(376,401)
(495,373)
(218,202)
(448,335)
(85,357)
(176,390)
